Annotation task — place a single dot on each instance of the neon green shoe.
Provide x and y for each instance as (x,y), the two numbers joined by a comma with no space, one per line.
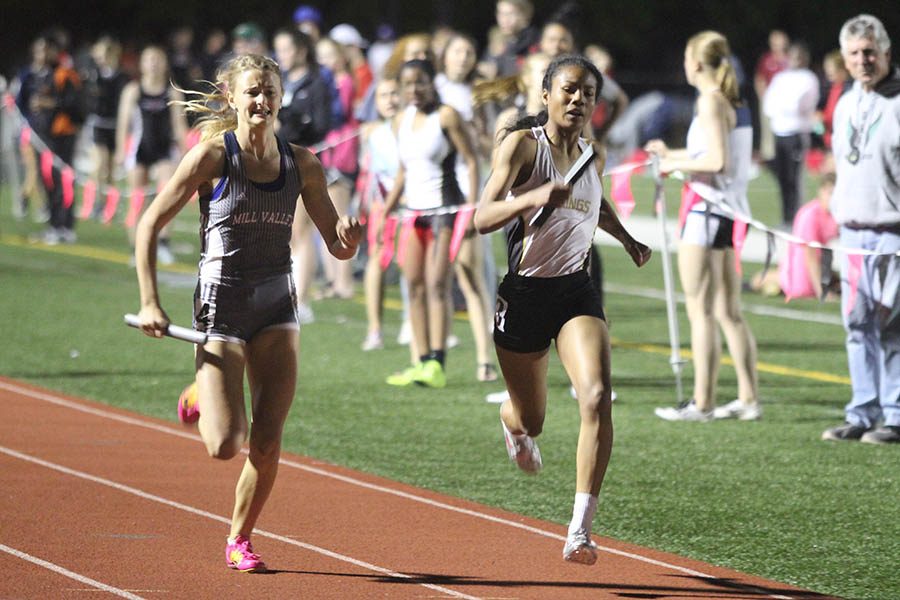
(431,374)
(405,377)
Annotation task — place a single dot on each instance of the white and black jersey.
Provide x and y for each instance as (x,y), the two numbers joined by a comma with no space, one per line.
(561,245)
(430,162)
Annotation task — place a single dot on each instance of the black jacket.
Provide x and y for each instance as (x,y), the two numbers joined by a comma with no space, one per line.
(305,114)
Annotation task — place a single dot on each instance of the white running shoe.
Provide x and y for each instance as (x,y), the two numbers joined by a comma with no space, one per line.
(404,336)
(373,341)
(579,548)
(51,236)
(164,254)
(523,450)
(497,397)
(736,409)
(688,412)
(68,236)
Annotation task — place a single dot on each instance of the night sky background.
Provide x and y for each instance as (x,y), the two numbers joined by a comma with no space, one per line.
(646,37)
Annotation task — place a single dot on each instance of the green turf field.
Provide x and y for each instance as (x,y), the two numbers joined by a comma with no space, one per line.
(768,498)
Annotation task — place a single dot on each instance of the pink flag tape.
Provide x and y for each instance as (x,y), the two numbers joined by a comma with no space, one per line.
(620,192)
(47,168)
(88,197)
(460,226)
(112,204)
(738,237)
(407,224)
(389,237)
(67,177)
(689,199)
(134,207)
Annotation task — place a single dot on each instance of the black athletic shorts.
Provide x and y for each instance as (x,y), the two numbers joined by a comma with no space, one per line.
(105,137)
(709,230)
(237,313)
(531,310)
(153,150)
(435,222)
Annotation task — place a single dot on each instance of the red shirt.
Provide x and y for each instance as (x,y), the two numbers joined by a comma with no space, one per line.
(362,79)
(768,66)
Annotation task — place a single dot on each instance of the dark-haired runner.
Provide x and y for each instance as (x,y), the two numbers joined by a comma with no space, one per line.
(547,293)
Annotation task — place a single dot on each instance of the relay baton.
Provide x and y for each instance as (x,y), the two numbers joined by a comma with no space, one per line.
(570,178)
(173,331)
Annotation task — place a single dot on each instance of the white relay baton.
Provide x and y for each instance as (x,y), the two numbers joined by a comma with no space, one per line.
(173,331)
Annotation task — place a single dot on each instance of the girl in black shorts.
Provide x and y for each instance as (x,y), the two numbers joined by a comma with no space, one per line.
(547,293)
(158,132)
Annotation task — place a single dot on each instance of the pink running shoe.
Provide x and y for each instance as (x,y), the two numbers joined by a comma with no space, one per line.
(189,405)
(239,555)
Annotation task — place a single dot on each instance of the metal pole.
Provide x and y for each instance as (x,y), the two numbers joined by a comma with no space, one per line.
(671,307)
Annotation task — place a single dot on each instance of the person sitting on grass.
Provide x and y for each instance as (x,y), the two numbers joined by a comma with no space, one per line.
(800,273)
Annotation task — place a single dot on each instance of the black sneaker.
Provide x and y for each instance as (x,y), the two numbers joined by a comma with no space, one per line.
(845,432)
(889,434)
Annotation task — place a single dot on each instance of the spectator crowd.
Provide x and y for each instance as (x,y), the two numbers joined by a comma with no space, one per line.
(107,119)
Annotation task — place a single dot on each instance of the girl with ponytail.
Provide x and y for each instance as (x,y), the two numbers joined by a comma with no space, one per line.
(252,187)
(717,159)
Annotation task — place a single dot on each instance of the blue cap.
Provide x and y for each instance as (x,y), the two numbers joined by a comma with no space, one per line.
(306,12)
(385,32)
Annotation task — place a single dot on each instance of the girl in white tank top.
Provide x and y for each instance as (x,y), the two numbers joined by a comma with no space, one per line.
(547,293)
(429,135)
(380,148)
(430,162)
(717,158)
(560,246)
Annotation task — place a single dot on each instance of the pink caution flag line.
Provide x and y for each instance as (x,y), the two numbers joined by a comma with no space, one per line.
(620,193)
(68,178)
(691,195)
(49,163)
(395,240)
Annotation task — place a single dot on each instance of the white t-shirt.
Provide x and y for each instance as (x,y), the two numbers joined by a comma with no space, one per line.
(790,101)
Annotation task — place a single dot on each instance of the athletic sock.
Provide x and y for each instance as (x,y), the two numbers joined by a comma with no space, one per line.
(583,512)
(438,355)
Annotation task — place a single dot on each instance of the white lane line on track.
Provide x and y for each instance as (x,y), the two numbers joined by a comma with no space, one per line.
(371,486)
(214,517)
(70,574)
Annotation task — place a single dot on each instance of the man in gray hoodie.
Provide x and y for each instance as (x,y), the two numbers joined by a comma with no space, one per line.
(866,205)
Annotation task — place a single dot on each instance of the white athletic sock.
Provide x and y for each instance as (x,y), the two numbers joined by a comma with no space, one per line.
(583,512)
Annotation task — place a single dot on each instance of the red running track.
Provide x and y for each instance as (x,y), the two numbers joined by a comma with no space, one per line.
(100,502)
